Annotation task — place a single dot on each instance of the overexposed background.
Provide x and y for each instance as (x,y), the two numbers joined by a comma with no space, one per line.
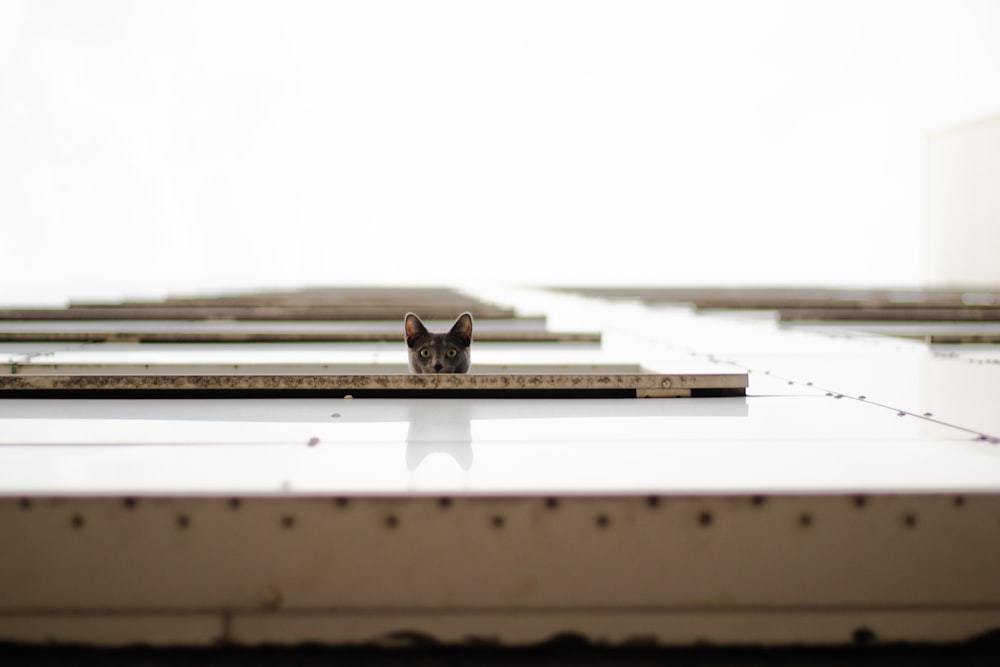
(193,146)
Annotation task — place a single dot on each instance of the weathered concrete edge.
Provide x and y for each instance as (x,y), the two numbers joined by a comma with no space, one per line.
(639,381)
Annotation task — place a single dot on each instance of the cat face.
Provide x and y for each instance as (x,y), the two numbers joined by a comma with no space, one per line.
(439,352)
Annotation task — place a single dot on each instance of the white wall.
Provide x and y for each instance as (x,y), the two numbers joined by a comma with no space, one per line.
(963,205)
(187,146)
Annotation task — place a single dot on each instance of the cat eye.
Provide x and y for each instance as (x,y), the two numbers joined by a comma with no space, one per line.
(451,353)
(425,353)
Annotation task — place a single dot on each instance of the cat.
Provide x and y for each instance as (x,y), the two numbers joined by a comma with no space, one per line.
(439,352)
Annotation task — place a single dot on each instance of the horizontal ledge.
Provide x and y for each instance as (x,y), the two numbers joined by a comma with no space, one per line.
(253,313)
(297,368)
(276,337)
(915,314)
(709,608)
(595,385)
(161,394)
(776,298)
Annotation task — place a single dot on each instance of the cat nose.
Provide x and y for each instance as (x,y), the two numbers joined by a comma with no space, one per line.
(437,367)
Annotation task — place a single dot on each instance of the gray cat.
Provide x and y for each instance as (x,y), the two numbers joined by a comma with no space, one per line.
(439,352)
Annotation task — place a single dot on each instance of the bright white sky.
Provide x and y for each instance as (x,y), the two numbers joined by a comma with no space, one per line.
(193,146)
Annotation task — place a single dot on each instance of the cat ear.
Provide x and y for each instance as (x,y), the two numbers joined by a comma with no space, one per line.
(414,328)
(462,328)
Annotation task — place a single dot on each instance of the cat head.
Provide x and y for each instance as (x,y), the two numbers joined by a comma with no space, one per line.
(439,352)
